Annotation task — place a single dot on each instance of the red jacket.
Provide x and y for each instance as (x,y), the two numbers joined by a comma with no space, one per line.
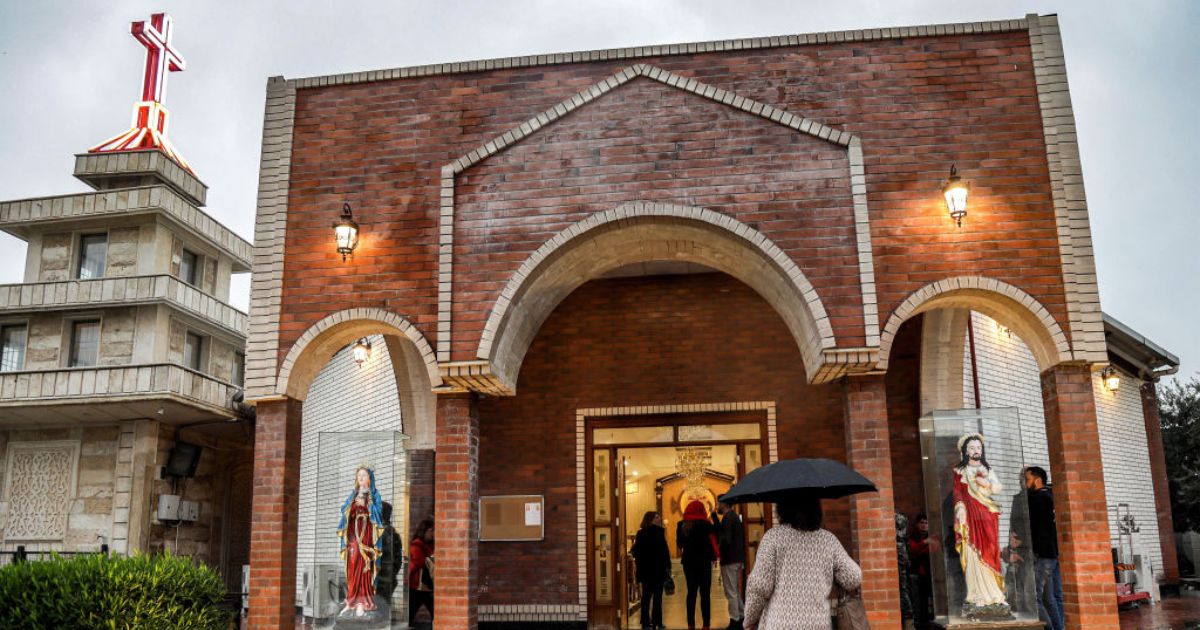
(695,512)
(418,550)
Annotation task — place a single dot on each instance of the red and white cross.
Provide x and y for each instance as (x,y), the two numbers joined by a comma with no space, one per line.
(161,57)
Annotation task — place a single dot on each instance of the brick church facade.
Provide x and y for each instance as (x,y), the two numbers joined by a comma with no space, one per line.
(745,231)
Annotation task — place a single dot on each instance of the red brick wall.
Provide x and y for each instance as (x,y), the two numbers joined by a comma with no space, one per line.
(673,339)
(650,141)
(903,381)
(1079,499)
(918,104)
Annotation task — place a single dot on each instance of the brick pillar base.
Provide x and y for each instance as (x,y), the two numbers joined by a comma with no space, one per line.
(872,515)
(420,486)
(1162,490)
(456,515)
(274,518)
(1080,506)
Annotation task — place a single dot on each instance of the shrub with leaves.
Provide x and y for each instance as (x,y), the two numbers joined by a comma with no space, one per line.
(96,591)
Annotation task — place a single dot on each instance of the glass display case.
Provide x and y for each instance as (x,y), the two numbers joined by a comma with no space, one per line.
(356,574)
(981,553)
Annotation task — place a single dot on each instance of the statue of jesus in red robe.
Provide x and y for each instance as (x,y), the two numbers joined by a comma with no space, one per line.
(977,530)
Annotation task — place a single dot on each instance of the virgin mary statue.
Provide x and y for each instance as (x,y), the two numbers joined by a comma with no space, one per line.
(361,534)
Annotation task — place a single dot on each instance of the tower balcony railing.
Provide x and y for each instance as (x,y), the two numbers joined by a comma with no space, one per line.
(69,295)
(166,391)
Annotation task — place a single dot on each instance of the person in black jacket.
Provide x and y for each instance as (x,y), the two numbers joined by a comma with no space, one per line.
(1044,532)
(731,542)
(653,565)
(699,553)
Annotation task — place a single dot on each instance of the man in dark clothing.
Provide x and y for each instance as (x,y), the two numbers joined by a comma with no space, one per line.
(731,540)
(1044,534)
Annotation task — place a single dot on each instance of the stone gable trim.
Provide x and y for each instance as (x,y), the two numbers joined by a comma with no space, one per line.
(266,281)
(582,464)
(857,176)
(635,52)
(1036,315)
(363,314)
(1066,184)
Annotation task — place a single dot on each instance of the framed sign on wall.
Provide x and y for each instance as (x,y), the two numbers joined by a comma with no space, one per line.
(515,517)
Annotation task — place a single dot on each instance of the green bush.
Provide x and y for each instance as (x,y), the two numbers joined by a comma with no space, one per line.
(96,591)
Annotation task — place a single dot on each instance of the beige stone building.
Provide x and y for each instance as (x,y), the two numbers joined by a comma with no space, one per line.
(119,344)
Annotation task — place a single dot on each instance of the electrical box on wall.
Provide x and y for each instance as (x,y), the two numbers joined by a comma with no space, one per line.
(168,507)
(171,508)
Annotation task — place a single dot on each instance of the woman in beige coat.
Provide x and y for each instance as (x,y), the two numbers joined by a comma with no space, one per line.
(795,569)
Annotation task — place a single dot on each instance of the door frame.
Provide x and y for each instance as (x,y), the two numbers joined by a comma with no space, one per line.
(610,615)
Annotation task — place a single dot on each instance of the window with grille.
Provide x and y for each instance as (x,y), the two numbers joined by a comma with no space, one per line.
(12,347)
(85,343)
(92,251)
(189,265)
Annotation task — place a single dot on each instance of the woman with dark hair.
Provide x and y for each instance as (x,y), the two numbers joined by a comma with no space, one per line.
(796,567)
(699,553)
(653,564)
(420,571)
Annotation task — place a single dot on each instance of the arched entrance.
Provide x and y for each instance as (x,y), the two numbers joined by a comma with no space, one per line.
(273,553)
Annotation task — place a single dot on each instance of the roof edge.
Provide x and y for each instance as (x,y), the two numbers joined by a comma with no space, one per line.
(634,52)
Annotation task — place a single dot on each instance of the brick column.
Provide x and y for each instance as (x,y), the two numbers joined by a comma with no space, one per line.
(872,515)
(1080,506)
(420,487)
(456,512)
(274,516)
(1162,491)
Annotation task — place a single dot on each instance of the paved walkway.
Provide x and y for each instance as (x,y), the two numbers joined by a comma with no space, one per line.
(1173,613)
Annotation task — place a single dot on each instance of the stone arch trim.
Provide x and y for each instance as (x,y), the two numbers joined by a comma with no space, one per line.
(1002,301)
(314,348)
(800,124)
(810,324)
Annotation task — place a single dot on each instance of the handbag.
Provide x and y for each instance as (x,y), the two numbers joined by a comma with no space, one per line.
(426,583)
(851,613)
(669,585)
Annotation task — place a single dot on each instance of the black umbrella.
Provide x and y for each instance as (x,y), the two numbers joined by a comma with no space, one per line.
(790,478)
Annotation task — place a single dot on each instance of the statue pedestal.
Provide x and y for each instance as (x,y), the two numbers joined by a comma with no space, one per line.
(1009,624)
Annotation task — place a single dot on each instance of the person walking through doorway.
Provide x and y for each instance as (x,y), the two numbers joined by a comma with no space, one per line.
(796,567)
(653,564)
(420,571)
(731,543)
(699,553)
(1044,532)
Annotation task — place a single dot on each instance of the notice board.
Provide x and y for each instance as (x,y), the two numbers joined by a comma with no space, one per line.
(512,517)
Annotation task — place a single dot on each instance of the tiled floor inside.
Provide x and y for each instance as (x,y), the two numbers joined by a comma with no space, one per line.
(675,606)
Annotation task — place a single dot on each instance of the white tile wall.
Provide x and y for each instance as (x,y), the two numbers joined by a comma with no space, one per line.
(1009,376)
(343,397)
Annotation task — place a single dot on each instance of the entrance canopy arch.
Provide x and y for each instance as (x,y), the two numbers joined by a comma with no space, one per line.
(646,232)
(413,361)
(999,300)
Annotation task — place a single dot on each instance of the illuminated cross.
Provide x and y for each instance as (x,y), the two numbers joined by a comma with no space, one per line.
(149,128)
(161,58)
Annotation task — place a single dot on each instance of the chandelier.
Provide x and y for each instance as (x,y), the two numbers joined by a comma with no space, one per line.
(691,463)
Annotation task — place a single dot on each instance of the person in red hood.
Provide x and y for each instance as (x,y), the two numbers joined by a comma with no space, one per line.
(699,545)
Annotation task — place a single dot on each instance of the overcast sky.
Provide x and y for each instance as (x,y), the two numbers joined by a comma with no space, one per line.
(69,72)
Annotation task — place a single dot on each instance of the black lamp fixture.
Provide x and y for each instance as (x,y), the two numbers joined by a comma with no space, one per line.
(955,191)
(1112,379)
(361,351)
(345,232)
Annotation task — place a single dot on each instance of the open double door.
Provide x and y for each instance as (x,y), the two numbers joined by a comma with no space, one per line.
(657,464)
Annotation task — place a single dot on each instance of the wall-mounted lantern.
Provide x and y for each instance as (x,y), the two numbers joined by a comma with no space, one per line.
(361,351)
(1112,380)
(345,232)
(955,191)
